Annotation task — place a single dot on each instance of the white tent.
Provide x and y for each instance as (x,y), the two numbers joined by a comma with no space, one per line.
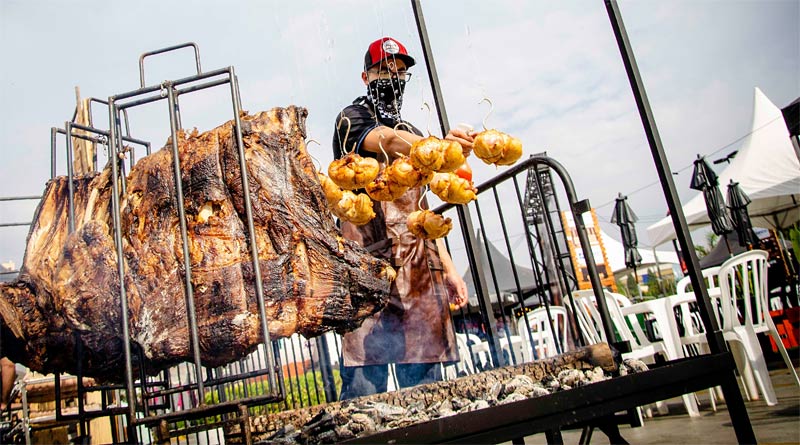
(766,168)
(615,252)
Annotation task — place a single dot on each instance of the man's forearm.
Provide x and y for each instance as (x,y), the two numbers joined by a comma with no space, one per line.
(394,142)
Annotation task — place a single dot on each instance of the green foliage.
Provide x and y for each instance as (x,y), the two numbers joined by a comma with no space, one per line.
(711,241)
(631,286)
(794,237)
(659,287)
(303,390)
(622,289)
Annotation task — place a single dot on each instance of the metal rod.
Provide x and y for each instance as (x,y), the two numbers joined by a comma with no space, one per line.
(736,408)
(20,198)
(53,152)
(187,260)
(79,385)
(438,99)
(251,230)
(115,207)
(536,273)
(550,230)
(15,224)
(70,185)
(714,336)
(104,133)
(464,216)
(175,83)
(578,208)
(485,302)
(167,49)
(158,97)
(328,383)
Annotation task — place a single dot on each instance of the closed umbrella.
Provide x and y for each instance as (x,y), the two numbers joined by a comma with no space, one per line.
(705,180)
(737,203)
(624,217)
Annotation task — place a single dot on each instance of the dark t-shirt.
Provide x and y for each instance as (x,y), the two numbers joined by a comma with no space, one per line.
(362,121)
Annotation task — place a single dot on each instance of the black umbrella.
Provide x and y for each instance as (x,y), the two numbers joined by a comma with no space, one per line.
(737,203)
(624,217)
(705,180)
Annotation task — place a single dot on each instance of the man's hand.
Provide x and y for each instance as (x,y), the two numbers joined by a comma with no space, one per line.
(462,137)
(456,289)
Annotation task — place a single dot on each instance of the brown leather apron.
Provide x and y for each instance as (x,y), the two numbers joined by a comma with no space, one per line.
(415,326)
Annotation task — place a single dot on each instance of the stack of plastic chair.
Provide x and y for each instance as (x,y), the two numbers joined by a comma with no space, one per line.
(627,328)
(641,347)
(539,340)
(745,313)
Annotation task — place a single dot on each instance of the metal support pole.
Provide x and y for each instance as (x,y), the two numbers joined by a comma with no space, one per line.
(742,426)
(463,214)
(130,394)
(187,261)
(70,185)
(715,341)
(578,208)
(262,312)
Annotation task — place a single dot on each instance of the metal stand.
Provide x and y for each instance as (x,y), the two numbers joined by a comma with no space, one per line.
(716,343)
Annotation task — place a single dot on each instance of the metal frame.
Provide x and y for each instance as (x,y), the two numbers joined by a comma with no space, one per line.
(726,378)
(716,343)
(170,91)
(552,412)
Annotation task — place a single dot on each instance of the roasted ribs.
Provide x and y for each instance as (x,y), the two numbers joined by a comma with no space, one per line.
(67,296)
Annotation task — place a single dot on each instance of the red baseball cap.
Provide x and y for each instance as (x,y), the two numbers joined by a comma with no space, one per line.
(385,48)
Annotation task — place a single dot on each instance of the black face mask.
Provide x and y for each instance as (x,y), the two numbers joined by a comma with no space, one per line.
(387,96)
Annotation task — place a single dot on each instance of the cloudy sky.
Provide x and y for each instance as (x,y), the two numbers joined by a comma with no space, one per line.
(552,70)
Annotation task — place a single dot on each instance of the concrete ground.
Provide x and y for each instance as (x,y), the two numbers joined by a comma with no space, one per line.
(779,424)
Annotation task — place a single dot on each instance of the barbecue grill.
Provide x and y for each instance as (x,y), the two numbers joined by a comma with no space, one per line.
(193,401)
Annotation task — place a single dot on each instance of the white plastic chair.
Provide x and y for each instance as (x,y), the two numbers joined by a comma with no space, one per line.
(743,285)
(537,328)
(464,365)
(710,276)
(627,328)
(589,316)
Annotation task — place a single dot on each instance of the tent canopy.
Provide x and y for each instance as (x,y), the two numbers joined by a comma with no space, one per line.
(503,273)
(615,252)
(766,168)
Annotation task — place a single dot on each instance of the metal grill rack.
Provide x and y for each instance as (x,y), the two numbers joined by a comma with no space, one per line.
(189,398)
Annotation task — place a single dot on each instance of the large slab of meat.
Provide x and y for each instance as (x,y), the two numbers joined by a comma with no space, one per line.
(68,293)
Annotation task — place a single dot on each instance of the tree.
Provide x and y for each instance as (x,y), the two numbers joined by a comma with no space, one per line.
(711,240)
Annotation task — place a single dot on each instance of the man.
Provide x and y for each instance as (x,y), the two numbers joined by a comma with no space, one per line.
(415,330)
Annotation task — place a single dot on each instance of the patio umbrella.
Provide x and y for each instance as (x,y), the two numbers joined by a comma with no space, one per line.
(705,180)
(737,203)
(624,217)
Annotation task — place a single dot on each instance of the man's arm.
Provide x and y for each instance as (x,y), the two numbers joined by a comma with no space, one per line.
(456,287)
(396,143)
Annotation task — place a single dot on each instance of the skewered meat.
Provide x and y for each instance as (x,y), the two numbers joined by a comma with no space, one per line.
(332,191)
(384,188)
(427,154)
(453,189)
(404,173)
(452,156)
(428,225)
(68,292)
(356,208)
(353,171)
(495,147)
(512,151)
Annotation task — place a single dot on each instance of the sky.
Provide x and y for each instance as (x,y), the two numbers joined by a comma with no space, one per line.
(551,69)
